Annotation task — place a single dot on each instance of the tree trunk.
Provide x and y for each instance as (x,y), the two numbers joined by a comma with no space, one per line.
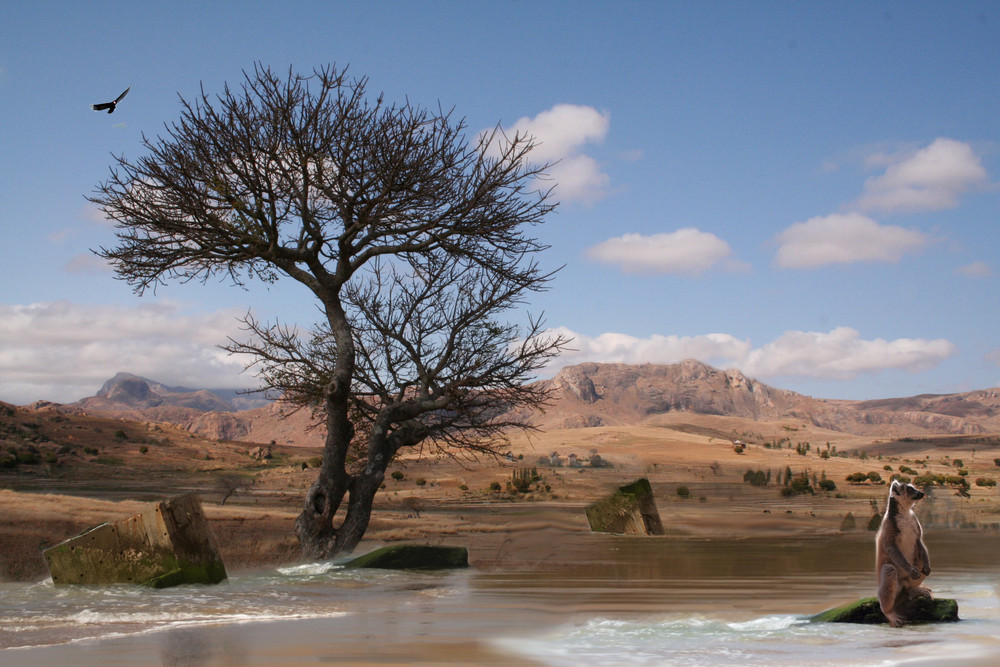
(314,527)
(317,535)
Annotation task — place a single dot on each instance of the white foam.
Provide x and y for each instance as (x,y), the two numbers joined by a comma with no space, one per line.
(309,569)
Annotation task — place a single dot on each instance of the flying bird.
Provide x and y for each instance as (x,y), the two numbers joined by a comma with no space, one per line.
(110,106)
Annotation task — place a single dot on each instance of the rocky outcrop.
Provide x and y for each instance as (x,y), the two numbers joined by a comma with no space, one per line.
(593,394)
(221,425)
(623,394)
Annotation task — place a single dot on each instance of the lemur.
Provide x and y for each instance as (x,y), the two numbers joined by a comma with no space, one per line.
(901,561)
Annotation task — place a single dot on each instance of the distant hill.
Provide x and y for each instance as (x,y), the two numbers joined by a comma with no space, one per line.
(585,395)
(594,394)
(128,391)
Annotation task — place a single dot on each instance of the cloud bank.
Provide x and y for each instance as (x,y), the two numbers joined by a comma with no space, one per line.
(62,351)
(687,251)
(840,354)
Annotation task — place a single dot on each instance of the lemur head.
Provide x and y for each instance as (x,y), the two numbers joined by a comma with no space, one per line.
(904,494)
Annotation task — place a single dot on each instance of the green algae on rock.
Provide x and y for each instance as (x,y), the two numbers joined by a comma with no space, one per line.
(867,611)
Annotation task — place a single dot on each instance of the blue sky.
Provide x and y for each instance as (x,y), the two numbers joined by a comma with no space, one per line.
(803,190)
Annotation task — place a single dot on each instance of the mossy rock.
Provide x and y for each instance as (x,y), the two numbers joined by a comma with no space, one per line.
(413,557)
(867,611)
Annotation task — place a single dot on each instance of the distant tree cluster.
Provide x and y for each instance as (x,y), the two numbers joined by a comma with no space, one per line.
(757,477)
(862,477)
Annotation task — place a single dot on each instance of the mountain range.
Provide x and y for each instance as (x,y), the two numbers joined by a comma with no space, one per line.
(585,395)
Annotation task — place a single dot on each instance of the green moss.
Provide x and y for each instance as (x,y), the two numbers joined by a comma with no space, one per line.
(190,573)
(867,611)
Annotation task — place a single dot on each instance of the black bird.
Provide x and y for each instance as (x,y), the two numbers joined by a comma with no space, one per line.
(110,106)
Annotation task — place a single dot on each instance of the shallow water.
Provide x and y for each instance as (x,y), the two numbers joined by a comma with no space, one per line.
(588,600)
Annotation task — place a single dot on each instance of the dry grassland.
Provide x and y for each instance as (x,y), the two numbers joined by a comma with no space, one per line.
(441,500)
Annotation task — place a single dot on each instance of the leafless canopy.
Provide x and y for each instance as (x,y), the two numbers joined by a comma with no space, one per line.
(412,239)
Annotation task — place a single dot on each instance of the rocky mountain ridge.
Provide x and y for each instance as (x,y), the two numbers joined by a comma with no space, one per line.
(593,394)
(585,395)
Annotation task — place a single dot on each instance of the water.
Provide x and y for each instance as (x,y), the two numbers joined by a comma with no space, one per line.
(576,600)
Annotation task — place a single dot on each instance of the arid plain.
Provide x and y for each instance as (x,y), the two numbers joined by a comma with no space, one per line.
(73,468)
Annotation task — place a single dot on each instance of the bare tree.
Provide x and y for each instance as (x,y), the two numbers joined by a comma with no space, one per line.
(412,240)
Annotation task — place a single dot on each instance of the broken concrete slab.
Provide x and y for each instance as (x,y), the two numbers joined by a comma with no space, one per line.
(413,557)
(629,511)
(168,545)
(867,611)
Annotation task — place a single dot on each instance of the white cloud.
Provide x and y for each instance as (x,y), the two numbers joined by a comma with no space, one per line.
(721,349)
(563,130)
(843,238)
(579,178)
(840,354)
(976,270)
(63,351)
(932,178)
(687,251)
(560,134)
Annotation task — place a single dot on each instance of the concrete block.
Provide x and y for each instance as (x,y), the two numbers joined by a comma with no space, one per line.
(168,545)
(629,511)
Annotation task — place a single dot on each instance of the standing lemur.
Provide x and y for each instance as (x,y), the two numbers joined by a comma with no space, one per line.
(901,560)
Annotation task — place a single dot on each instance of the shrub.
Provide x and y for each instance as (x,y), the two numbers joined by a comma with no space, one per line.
(875,477)
(958,463)
(755,477)
(827,485)
(888,468)
(495,487)
(848,523)
(463,487)
(522,478)
(996,462)
(143,449)
(986,481)
(801,485)
(857,477)
(928,479)
(29,457)
(420,481)
(875,522)
(121,435)
(397,475)
(683,491)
